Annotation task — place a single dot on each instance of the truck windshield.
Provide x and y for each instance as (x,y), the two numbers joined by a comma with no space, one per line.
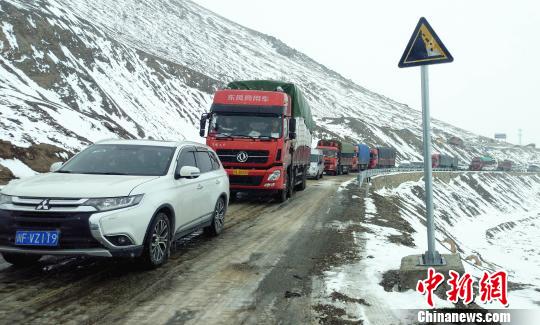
(330,153)
(114,159)
(256,126)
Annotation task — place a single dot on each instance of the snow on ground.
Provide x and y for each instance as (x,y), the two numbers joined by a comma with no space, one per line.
(493,216)
(17,167)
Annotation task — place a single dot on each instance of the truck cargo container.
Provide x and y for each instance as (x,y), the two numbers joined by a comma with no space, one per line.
(363,156)
(382,157)
(261,131)
(338,156)
(444,161)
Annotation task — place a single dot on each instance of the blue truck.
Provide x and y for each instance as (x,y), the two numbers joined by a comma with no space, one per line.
(363,156)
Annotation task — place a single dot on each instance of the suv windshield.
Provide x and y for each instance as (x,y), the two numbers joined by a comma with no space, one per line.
(117,159)
(266,126)
(314,158)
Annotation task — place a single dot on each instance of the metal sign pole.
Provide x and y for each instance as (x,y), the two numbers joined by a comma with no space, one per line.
(431,257)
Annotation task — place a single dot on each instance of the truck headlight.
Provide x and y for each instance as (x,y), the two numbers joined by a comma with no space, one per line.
(113,203)
(274,176)
(5,199)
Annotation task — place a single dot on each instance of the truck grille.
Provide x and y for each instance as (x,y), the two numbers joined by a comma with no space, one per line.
(73,226)
(245,180)
(254,156)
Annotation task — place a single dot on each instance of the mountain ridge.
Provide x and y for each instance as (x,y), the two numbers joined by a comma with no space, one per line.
(75,72)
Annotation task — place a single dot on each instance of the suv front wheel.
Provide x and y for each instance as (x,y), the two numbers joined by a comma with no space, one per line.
(158,242)
(218,218)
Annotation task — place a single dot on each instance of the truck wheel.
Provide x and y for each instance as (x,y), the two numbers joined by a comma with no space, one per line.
(290,183)
(18,259)
(302,186)
(283,195)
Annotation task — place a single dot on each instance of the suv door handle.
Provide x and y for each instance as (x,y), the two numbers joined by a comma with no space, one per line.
(218,181)
(199,187)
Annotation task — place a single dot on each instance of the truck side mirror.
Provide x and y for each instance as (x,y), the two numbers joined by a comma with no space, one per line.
(292,128)
(202,128)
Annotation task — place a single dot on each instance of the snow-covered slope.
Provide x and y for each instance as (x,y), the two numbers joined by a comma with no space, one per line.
(73,72)
(491,219)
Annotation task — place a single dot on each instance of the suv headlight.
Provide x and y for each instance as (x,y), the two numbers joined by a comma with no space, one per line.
(113,203)
(5,199)
(274,176)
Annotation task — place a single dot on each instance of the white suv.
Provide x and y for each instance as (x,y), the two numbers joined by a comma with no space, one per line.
(116,198)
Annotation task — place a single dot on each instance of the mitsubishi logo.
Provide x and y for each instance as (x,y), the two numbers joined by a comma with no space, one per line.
(242,156)
(44,205)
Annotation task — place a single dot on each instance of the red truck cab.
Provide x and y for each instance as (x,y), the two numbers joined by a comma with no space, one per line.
(253,132)
(330,151)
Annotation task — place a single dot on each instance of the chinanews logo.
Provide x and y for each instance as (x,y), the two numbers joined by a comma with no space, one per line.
(491,287)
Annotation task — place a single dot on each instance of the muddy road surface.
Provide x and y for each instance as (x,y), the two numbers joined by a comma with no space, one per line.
(259,270)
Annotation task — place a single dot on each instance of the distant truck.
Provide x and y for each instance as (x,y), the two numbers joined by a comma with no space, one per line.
(261,131)
(338,156)
(483,163)
(316,165)
(363,156)
(505,165)
(382,157)
(444,161)
(354,165)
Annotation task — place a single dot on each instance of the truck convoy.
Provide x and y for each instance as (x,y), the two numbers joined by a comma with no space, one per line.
(483,163)
(261,131)
(382,157)
(338,156)
(444,161)
(363,156)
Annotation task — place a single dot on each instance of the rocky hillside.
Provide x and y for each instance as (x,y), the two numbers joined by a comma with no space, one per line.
(73,72)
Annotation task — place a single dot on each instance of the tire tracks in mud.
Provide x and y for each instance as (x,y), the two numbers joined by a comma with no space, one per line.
(209,280)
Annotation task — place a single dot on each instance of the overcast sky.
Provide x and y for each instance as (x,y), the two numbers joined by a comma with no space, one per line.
(493,85)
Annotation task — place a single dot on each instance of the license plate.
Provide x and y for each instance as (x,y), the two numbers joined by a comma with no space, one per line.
(37,238)
(240,172)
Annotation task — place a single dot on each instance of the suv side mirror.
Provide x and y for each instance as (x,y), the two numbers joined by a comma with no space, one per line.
(202,127)
(188,172)
(55,166)
(292,128)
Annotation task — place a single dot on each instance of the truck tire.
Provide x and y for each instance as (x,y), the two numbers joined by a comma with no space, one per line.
(291,179)
(283,195)
(19,259)
(302,186)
